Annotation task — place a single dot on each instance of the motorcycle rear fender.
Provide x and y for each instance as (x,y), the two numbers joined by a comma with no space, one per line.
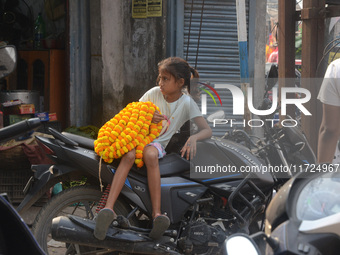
(45,176)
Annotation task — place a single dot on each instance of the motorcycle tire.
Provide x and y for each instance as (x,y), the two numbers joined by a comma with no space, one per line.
(80,201)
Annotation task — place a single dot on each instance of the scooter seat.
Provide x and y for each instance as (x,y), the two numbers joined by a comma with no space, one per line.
(171,164)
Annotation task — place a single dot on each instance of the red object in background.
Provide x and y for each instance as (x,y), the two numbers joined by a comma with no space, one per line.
(274,57)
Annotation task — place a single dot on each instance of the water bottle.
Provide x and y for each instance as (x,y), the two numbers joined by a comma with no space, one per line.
(39,32)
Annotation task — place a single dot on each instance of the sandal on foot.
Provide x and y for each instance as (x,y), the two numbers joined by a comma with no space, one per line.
(103,221)
(160,225)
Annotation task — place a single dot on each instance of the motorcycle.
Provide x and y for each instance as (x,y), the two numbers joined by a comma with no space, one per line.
(303,218)
(12,228)
(284,148)
(203,209)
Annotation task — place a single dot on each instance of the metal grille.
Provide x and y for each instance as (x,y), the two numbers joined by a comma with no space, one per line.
(211,45)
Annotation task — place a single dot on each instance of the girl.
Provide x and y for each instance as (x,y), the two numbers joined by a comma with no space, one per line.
(174,75)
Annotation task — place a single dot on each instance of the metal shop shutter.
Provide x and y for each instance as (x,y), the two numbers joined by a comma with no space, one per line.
(210,44)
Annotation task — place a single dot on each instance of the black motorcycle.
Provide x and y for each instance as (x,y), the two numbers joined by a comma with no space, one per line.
(203,209)
(15,236)
(284,148)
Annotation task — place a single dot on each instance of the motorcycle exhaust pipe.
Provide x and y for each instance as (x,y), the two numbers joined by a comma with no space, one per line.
(65,230)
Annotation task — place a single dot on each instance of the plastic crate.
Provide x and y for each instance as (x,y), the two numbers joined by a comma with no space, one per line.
(13,182)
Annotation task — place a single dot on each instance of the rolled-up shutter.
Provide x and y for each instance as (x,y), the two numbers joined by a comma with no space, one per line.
(211,44)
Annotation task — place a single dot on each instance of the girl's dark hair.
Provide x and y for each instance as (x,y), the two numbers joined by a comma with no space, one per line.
(179,68)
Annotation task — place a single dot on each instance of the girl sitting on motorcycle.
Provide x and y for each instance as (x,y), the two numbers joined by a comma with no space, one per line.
(174,75)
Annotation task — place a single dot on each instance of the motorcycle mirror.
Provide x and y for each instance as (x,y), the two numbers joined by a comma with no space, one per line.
(272,77)
(216,115)
(8,60)
(240,244)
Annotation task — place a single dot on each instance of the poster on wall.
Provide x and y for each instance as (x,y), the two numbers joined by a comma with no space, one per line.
(154,8)
(139,9)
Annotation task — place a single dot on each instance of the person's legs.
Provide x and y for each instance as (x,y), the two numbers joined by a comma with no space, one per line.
(160,222)
(120,177)
(150,156)
(107,215)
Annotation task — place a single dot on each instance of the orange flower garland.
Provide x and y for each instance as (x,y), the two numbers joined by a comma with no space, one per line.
(130,129)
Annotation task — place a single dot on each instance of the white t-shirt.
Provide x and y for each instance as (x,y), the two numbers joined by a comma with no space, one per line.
(178,112)
(330,89)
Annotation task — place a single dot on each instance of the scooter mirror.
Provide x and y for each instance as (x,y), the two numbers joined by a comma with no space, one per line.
(8,60)
(239,244)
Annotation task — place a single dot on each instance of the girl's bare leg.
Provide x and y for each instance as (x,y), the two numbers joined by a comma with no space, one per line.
(107,215)
(120,177)
(154,180)
(160,222)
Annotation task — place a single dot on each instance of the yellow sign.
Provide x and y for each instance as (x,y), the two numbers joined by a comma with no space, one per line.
(139,9)
(332,57)
(154,8)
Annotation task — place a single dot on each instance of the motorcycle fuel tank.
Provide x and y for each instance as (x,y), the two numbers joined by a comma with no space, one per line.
(222,162)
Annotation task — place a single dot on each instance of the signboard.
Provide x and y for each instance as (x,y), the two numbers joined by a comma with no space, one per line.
(333,56)
(154,8)
(146,8)
(139,9)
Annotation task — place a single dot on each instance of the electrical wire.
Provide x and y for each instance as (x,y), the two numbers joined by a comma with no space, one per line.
(325,53)
(189,32)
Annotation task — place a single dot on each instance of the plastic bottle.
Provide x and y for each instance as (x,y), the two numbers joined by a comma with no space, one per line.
(39,32)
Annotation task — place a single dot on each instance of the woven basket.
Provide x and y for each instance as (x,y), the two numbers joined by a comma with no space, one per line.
(16,155)
(13,157)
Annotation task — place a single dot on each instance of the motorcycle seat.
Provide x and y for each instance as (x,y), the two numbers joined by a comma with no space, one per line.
(171,164)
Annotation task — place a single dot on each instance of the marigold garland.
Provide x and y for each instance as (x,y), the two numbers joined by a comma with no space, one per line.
(130,129)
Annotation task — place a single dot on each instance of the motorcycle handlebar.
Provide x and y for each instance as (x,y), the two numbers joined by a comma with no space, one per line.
(19,128)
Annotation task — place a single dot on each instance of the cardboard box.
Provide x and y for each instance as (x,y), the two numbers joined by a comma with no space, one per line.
(19,109)
(43,116)
(16,118)
(52,117)
(27,109)
(12,103)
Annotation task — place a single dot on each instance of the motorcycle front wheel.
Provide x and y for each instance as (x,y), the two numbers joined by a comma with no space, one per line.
(80,201)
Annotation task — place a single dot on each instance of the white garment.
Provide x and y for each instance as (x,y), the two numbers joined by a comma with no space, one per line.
(178,112)
(330,89)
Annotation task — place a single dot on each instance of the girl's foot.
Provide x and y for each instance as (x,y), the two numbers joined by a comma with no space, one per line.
(103,221)
(160,224)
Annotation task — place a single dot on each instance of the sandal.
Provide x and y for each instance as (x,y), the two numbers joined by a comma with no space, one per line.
(103,222)
(160,225)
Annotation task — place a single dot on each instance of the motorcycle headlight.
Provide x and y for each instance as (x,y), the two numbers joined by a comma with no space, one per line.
(306,197)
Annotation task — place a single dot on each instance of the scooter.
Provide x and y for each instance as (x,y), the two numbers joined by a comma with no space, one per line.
(303,218)
(15,236)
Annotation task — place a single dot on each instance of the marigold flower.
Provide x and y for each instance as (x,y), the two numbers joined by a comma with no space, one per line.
(130,128)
